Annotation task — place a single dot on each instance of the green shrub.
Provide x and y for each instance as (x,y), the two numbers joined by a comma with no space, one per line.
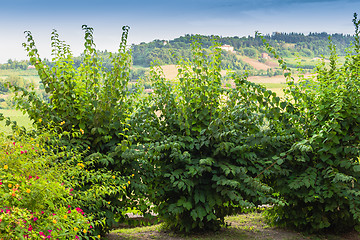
(318,176)
(100,192)
(204,142)
(88,110)
(88,98)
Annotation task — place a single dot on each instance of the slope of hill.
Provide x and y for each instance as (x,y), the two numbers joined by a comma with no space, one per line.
(255,63)
(286,44)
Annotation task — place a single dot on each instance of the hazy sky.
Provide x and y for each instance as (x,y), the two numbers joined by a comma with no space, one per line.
(162,19)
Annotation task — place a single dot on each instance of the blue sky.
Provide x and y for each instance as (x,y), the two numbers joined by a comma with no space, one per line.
(161,19)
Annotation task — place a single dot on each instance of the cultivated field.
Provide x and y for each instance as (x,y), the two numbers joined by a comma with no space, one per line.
(255,63)
(15,115)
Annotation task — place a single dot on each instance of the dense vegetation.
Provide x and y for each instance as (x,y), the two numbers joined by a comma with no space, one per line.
(287,45)
(36,194)
(317,176)
(194,151)
(199,137)
(13,64)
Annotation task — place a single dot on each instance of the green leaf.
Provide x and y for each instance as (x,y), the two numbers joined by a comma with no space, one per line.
(280,161)
(357,168)
(283,105)
(194,214)
(187,205)
(206,161)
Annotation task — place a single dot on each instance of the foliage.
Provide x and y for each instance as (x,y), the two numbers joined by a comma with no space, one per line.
(13,64)
(204,142)
(75,93)
(17,80)
(194,149)
(318,176)
(15,116)
(100,192)
(34,195)
(88,109)
(250,52)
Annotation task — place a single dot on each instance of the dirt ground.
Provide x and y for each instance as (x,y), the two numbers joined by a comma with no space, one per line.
(255,63)
(242,227)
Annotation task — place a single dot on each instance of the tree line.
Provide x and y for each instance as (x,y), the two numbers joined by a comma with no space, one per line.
(286,44)
(168,52)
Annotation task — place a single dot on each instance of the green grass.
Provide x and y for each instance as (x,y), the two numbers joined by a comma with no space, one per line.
(275,87)
(35,79)
(15,115)
(155,232)
(302,61)
(311,61)
(250,226)
(28,75)
(7,72)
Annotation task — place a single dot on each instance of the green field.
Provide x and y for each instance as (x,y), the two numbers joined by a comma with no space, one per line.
(306,61)
(29,75)
(14,115)
(275,87)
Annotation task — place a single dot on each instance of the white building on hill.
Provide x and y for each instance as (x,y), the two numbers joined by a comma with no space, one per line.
(227,48)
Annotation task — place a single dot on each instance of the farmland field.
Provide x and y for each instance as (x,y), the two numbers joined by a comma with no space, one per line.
(255,63)
(26,74)
(15,115)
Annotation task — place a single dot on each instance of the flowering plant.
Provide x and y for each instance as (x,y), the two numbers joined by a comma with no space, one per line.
(34,195)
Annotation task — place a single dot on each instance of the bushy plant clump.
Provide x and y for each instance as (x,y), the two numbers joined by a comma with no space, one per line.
(319,174)
(88,110)
(204,141)
(35,196)
(89,98)
(99,191)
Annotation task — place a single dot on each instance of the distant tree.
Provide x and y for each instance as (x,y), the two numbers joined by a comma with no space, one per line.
(251,52)
(16,65)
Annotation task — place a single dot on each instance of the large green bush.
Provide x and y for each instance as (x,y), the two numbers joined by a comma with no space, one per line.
(204,142)
(318,176)
(89,98)
(88,109)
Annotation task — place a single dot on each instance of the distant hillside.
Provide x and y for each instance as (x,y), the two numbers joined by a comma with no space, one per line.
(287,44)
(247,53)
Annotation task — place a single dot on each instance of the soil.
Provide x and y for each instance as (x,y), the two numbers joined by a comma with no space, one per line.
(255,63)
